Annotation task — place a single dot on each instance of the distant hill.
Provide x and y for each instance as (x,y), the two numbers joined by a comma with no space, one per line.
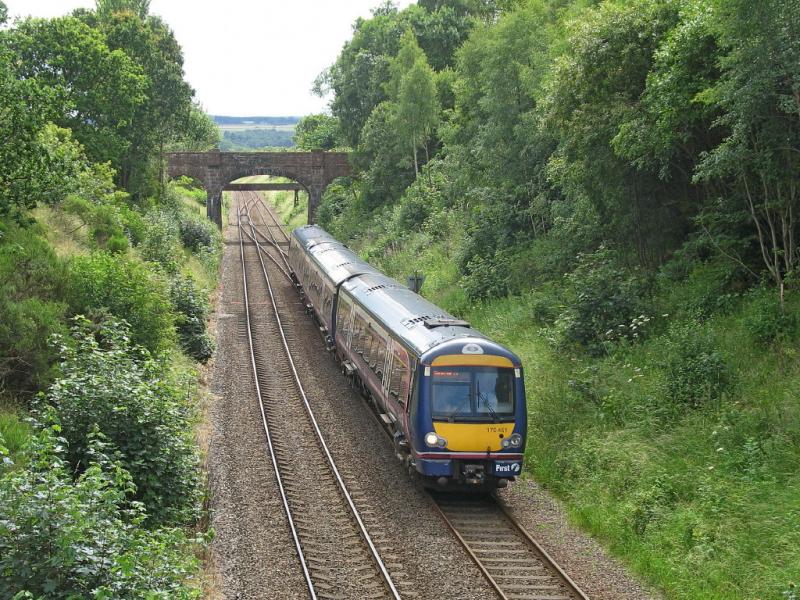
(255,133)
(245,121)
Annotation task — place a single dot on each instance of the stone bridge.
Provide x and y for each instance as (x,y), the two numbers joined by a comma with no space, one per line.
(215,170)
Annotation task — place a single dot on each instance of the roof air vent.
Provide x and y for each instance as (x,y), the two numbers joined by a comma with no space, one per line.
(445,322)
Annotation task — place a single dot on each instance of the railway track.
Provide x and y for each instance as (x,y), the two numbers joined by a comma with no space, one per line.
(337,555)
(511,560)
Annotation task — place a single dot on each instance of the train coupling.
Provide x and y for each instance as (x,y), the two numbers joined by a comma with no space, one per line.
(474,474)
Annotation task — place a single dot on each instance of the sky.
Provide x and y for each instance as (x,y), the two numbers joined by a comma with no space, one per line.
(247,57)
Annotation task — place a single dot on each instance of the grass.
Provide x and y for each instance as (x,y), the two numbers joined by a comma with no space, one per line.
(65,233)
(292,215)
(15,433)
(703,503)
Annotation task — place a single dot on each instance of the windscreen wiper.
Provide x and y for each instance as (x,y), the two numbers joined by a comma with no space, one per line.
(486,402)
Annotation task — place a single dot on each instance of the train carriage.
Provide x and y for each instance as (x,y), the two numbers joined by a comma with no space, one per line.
(453,399)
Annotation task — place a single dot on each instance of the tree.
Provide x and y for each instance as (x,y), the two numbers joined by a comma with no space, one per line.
(3,12)
(101,87)
(759,92)
(166,113)
(25,107)
(106,8)
(199,133)
(417,107)
(408,54)
(595,91)
(317,132)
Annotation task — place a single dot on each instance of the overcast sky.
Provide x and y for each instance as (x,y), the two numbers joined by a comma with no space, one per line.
(247,57)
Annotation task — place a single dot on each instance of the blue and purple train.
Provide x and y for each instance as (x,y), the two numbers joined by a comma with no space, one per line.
(452,399)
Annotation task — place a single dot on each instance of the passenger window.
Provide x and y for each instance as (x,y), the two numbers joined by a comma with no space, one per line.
(398,383)
(380,359)
(368,346)
(358,334)
(343,318)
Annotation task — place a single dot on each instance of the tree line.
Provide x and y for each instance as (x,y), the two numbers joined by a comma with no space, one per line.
(652,126)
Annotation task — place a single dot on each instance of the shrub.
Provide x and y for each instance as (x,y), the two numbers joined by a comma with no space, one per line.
(695,372)
(61,538)
(766,322)
(132,224)
(32,280)
(161,240)
(192,309)
(117,244)
(25,356)
(604,303)
(197,234)
(127,289)
(109,383)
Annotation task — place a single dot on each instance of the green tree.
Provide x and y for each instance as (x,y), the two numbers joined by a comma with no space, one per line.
(167,114)
(759,93)
(102,87)
(106,8)
(417,108)
(317,132)
(25,107)
(407,56)
(595,91)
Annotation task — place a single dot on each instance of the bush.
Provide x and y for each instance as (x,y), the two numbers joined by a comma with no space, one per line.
(161,240)
(127,289)
(117,244)
(25,356)
(192,308)
(766,322)
(133,224)
(32,280)
(197,234)
(61,538)
(604,303)
(109,383)
(695,372)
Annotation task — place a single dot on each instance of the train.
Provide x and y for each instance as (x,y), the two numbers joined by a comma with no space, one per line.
(452,399)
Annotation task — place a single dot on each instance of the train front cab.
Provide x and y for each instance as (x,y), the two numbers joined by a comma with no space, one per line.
(469,415)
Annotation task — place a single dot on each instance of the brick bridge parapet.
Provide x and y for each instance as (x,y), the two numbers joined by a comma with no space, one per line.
(215,169)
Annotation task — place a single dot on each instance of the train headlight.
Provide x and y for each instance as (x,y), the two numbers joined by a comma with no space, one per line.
(515,441)
(435,441)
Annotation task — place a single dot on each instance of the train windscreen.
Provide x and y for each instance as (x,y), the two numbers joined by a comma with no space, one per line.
(472,393)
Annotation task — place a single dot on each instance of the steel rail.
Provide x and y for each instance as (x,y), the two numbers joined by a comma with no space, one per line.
(261,203)
(275,466)
(267,254)
(547,562)
(272,242)
(321,439)
(566,579)
(258,202)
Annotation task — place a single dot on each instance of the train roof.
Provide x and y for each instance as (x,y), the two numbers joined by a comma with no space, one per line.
(423,326)
(335,259)
(311,235)
(418,322)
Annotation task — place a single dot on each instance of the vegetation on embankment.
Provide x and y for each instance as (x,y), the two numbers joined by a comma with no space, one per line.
(105,274)
(610,188)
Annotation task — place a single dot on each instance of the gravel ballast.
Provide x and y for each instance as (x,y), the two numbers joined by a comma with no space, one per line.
(252,548)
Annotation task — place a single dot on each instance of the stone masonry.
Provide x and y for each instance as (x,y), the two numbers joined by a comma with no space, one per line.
(215,170)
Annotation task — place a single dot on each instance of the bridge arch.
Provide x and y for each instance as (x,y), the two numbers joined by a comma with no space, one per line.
(215,170)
